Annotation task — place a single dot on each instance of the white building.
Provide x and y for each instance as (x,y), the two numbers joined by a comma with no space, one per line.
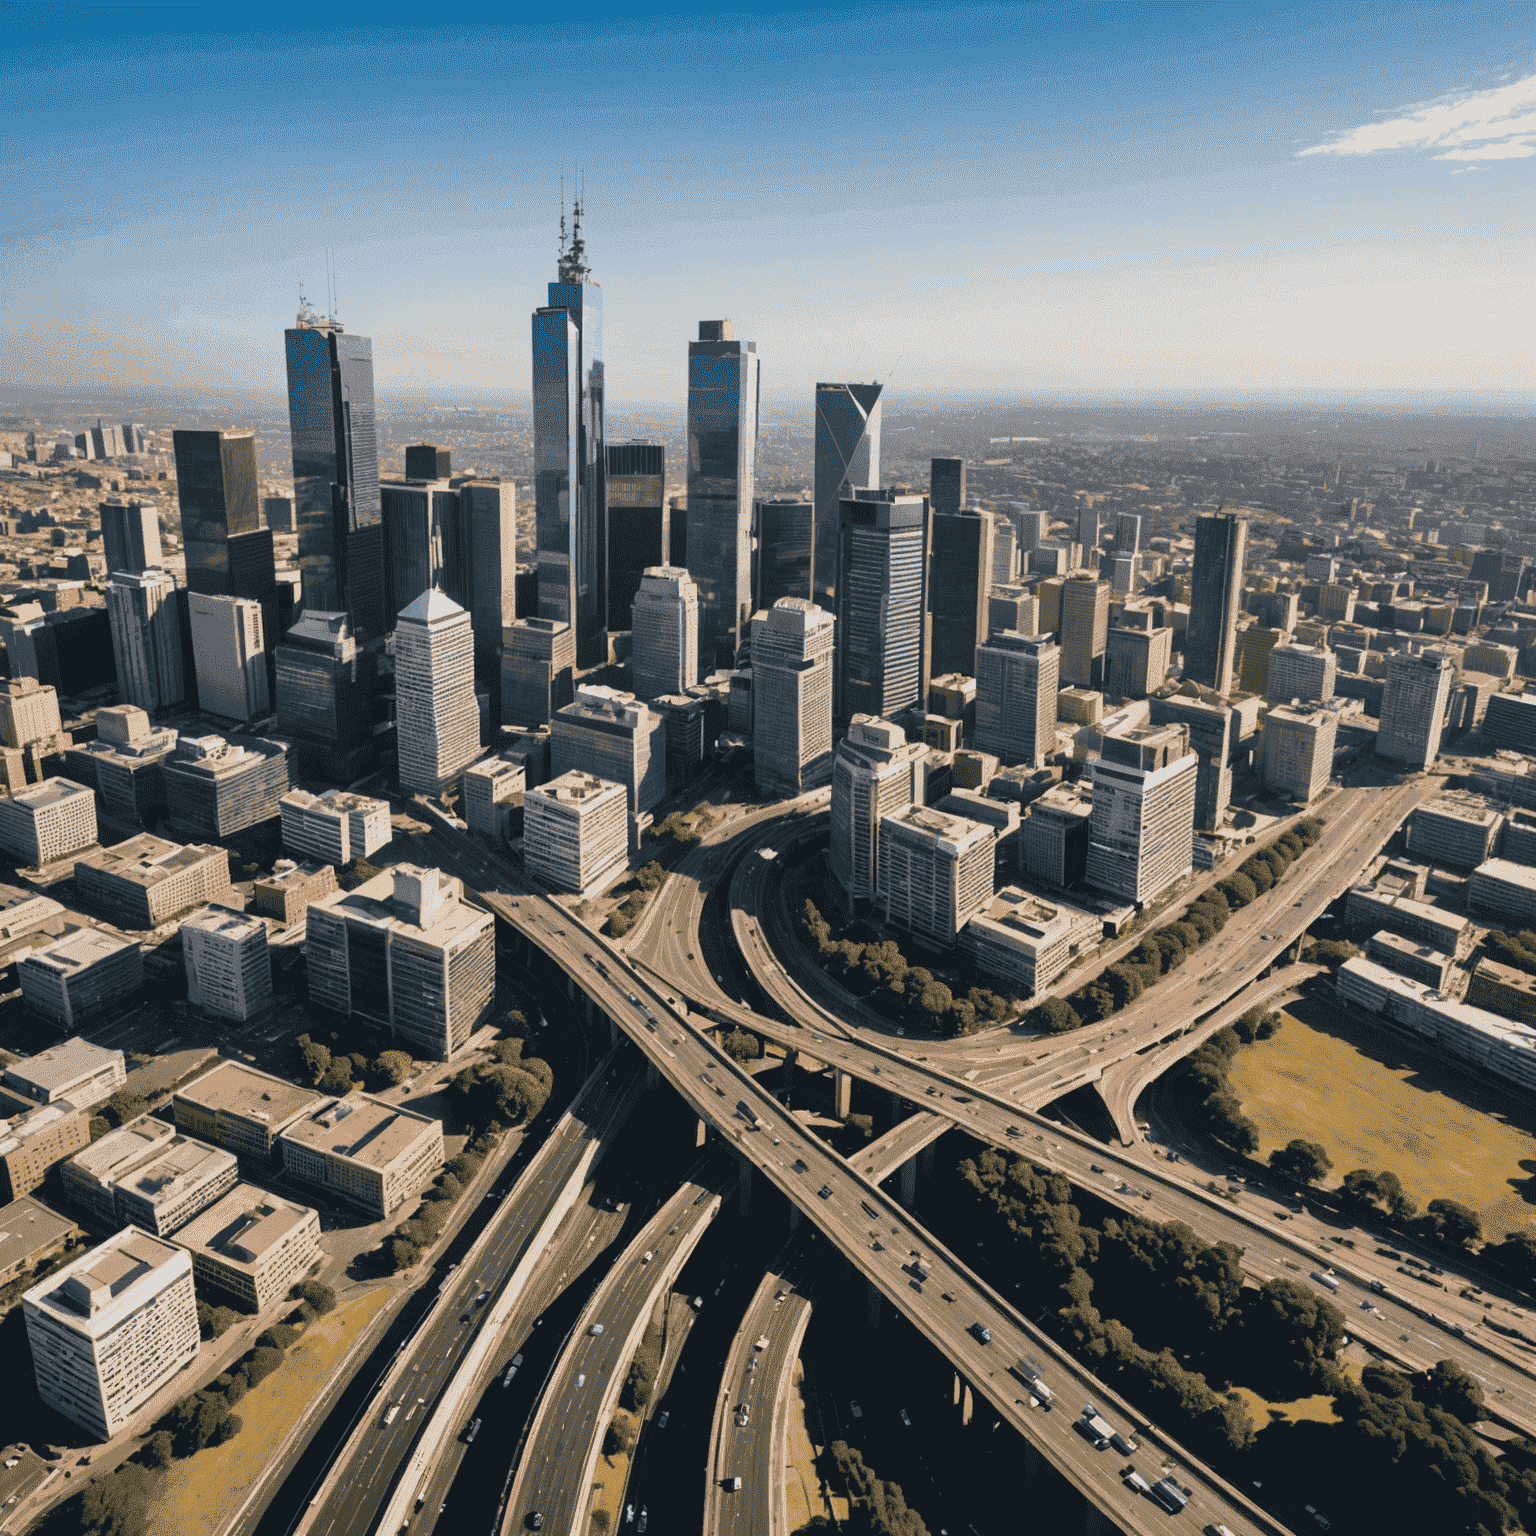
(76,1070)
(228,648)
(229,969)
(615,736)
(48,821)
(493,789)
(875,773)
(1016,686)
(1414,697)
(935,871)
(369,1153)
(1505,891)
(792,645)
(1300,672)
(1297,747)
(146,638)
(1457,829)
(148,1174)
(665,658)
(1141,837)
(437,722)
(335,827)
(81,975)
(29,711)
(575,832)
(1026,942)
(251,1245)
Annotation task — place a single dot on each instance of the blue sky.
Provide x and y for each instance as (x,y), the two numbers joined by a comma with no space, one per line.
(1036,197)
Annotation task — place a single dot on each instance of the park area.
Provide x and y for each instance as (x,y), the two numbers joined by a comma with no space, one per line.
(1376,1100)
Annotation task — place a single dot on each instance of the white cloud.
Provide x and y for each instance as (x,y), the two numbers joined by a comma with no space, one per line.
(1496,124)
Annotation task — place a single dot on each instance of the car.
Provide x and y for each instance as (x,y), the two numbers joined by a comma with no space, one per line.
(825,1191)
(644,1520)
(948,1295)
(781,1295)
(698,1303)
(464,1318)
(595,1329)
(661,1423)
(648,1255)
(982,1333)
(904,1419)
(1013,1130)
(482,1298)
(855,1410)
(799,1165)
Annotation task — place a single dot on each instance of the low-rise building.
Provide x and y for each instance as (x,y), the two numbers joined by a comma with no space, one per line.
(335,827)
(1457,829)
(286,893)
(237,1107)
(76,1070)
(29,1234)
(32,1141)
(372,1154)
(147,881)
(1518,843)
(81,975)
(252,1246)
(1410,958)
(229,971)
(493,791)
(1026,942)
(575,832)
(216,787)
(48,821)
(1389,900)
(1505,891)
(148,1173)
(1502,989)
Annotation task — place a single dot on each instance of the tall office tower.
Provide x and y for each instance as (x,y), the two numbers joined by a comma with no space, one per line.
(1136,661)
(216,486)
(1250,662)
(792,647)
(215,787)
(637,521)
(847,461)
(575,832)
(616,736)
(677,531)
(1053,840)
(1013,607)
(935,871)
(570,457)
(1221,544)
(1127,533)
(418,520)
(723,390)
(946,485)
(665,658)
(1032,524)
(1300,672)
(1212,731)
(1016,682)
(336,470)
(426,461)
(1502,570)
(538,670)
(1141,838)
(1005,549)
(1276,610)
(1050,560)
(231,658)
(129,756)
(111,1328)
(488,513)
(1413,707)
(130,534)
(325,686)
(1296,749)
(1084,631)
(146,639)
(1087,528)
(277,513)
(959,585)
(437,723)
(876,772)
(1323,568)
(229,971)
(882,620)
(786,531)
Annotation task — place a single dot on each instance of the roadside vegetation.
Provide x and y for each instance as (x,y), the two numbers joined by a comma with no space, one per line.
(876,1505)
(642,885)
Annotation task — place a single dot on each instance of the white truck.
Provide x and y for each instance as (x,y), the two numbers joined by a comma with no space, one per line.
(1330,1282)
(1027,1372)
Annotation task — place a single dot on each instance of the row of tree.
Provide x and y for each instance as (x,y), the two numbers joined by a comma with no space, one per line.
(645,882)
(339,1072)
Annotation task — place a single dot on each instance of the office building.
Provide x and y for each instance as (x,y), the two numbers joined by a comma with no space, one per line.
(130,536)
(33,1141)
(1026,943)
(493,793)
(1413,707)
(230,651)
(76,1070)
(147,1173)
(1254,646)
(1053,837)
(128,758)
(1213,735)
(1084,631)
(216,487)
(576,832)
(786,533)
(425,542)
(1503,570)
(69,649)
(1127,533)
(1013,607)
(687,737)
(1216,589)
(147,881)
(935,871)
(946,485)
(1417,961)
(371,1154)
(881,574)
(437,722)
(792,665)
(638,525)
(335,827)
(237,1107)
(959,588)
(30,1235)
(1505,892)
(615,736)
(1031,526)
(1141,838)
(1457,829)
(229,971)
(722,469)
(1336,602)
(1016,685)
(538,670)
(277,513)
(325,688)
(80,976)
(252,1247)
(875,773)
(1136,661)
(336,471)
(29,711)
(570,507)
(847,461)
(665,654)
(286,893)
(47,821)
(428,461)
(112,1328)
(1300,672)
(1005,550)
(143,611)
(488,513)
(1510,721)
(1500,988)
(407,950)
(218,786)
(1392,897)
(1087,527)
(1297,749)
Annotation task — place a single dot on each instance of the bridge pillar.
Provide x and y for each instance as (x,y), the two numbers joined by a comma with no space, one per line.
(872,1302)
(955,1389)
(842,1094)
(893,1103)
(652,1075)
(925,1163)
(570,987)
(794,1217)
(967,1406)
(908,1195)
(613,1033)
(701,1134)
(591,1006)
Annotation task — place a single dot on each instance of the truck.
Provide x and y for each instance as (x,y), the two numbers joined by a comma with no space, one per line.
(390,1412)
(1095,1431)
(1027,1372)
(1173,1496)
(1330,1282)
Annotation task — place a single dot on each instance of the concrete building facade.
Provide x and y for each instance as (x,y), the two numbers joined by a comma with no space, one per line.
(575,832)
(792,665)
(935,872)
(875,773)
(1141,838)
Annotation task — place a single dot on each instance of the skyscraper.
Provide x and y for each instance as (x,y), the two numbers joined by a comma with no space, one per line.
(792,645)
(324,695)
(420,521)
(488,515)
(437,723)
(570,497)
(1127,533)
(876,772)
(230,653)
(723,388)
(146,638)
(946,485)
(1413,706)
(1212,731)
(426,461)
(959,583)
(538,670)
(1084,631)
(786,531)
(216,486)
(847,460)
(1005,549)
(1016,683)
(637,522)
(665,658)
(1300,672)
(130,535)
(336,469)
(1141,838)
(616,736)
(1087,528)
(1221,543)
(882,617)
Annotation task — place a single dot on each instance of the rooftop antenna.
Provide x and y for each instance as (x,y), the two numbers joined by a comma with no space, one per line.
(562,218)
(894,367)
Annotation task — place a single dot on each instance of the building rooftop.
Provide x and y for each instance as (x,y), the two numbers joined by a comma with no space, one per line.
(432,607)
(26,1227)
(359,1127)
(408,898)
(235,1089)
(60,1067)
(225,922)
(242,1225)
(576,786)
(338,801)
(1461,806)
(38,797)
(149,1157)
(1523,875)
(147,860)
(1030,916)
(941,826)
(78,949)
(107,1274)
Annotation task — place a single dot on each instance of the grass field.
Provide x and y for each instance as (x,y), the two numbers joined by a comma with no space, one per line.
(1318,1408)
(197,1495)
(1375,1100)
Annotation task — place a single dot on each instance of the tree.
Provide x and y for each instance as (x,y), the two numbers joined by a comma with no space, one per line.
(393,1067)
(319,1295)
(1516,1256)
(741,1045)
(1451,1222)
(212,1321)
(620,1437)
(638,1385)
(1291,1336)
(401,1254)
(279,1336)
(316,1057)
(337,1078)
(123,1106)
(158,1450)
(1238,888)
(261,1362)
(1053,1017)
(1330,952)
(1446,1385)
(117,1505)
(1303,1161)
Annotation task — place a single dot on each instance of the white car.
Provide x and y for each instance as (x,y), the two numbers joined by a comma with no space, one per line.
(854,1408)
(595,1329)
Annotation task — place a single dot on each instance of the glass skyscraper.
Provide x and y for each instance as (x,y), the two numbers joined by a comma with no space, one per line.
(847,461)
(336,469)
(570,506)
(637,522)
(1216,591)
(216,487)
(722,475)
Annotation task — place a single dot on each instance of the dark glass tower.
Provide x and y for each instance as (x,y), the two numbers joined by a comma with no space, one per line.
(785,533)
(946,485)
(335,469)
(847,461)
(216,486)
(1216,591)
(637,522)
(570,507)
(959,586)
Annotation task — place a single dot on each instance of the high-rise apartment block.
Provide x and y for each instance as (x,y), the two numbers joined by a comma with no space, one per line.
(335,827)
(149,1174)
(876,772)
(1301,672)
(638,525)
(219,786)
(538,670)
(1212,734)
(143,611)
(615,736)
(371,1154)
(216,486)
(407,950)
(1136,661)
(1141,838)
(325,687)
(147,881)
(81,976)
(1297,747)
(437,722)
(1414,697)
(130,536)
(111,1328)
(576,832)
(229,971)
(786,532)
(47,821)
(935,871)
(792,660)
(1017,677)
(665,656)
(252,1246)
(847,461)
(723,392)
(1216,589)
(959,586)
(881,581)
(229,649)
(1084,631)
(946,485)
